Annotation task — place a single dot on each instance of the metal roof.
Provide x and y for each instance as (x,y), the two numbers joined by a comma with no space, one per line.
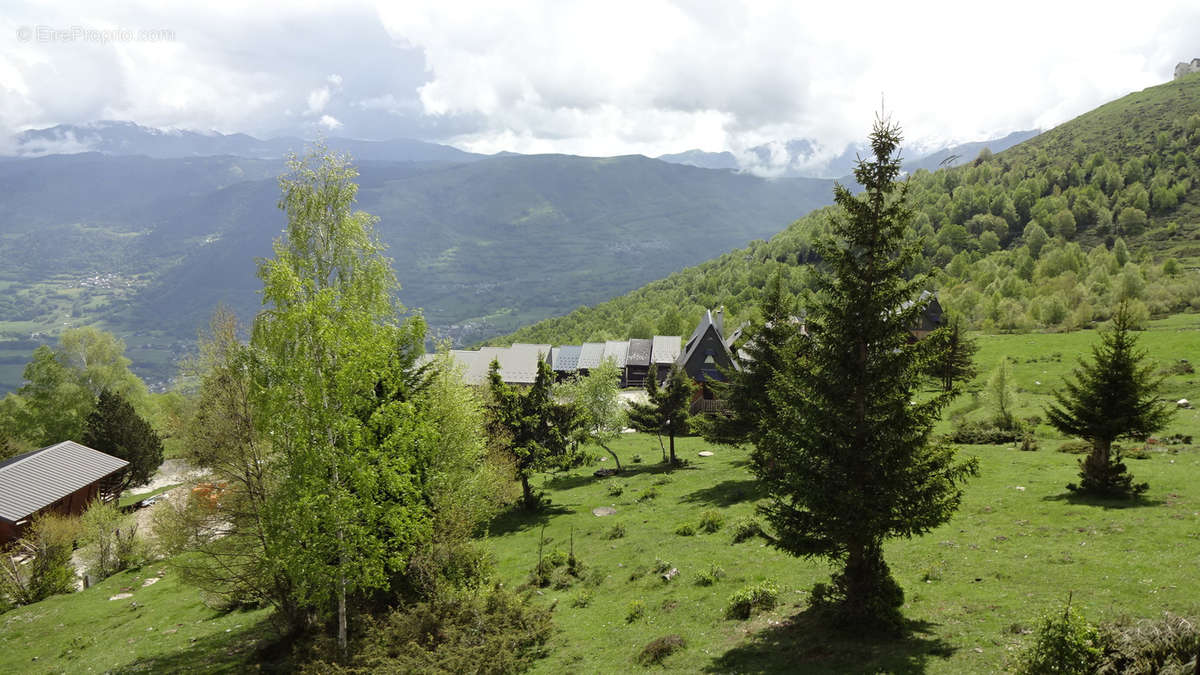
(665,349)
(35,480)
(617,350)
(639,352)
(591,354)
(519,363)
(566,358)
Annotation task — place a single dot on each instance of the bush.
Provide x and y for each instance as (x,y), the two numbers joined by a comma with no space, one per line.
(636,459)
(711,521)
(615,489)
(456,633)
(110,540)
(1028,442)
(685,530)
(758,597)
(984,433)
(636,611)
(745,528)
(47,544)
(1065,643)
(710,576)
(582,599)
(616,531)
(660,648)
(661,566)
(1166,645)
(1180,367)
(649,493)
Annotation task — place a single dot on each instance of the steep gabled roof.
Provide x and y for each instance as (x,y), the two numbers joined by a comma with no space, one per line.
(591,355)
(35,480)
(706,324)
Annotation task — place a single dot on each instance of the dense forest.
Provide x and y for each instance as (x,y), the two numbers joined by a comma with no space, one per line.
(1048,235)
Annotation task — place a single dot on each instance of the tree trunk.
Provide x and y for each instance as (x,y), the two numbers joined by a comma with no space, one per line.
(614,456)
(672,436)
(527,491)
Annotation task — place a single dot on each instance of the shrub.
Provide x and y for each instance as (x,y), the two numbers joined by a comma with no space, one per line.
(685,530)
(1075,447)
(455,633)
(636,611)
(616,531)
(1065,643)
(1180,367)
(711,521)
(47,544)
(1028,442)
(710,576)
(1167,645)
(636,459)
(110,540)
(660,648)
(662,480)
(745,528)
(759,597)
(648,494)
(984,433)
(661,566)
(582,599)
(615,489)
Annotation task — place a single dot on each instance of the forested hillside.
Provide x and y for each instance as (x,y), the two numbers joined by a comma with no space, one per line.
(1049,234)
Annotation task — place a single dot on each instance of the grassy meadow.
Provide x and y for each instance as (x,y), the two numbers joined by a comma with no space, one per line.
(1019,547)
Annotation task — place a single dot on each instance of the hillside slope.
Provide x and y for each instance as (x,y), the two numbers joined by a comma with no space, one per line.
(1048,234)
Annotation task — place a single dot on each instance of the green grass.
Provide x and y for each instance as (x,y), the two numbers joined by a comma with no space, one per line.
(130,498)
(163,628)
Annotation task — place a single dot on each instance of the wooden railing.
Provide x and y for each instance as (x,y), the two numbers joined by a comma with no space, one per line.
(706,405)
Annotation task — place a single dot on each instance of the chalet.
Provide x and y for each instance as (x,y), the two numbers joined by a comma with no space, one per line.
(62,478)
(664,351)
(706,353)
(637,362)
(931,317)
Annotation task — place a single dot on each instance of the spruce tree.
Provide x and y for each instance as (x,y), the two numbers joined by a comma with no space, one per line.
(667,410)
(115,428)
(847,459)
(953,354)
(1113,397)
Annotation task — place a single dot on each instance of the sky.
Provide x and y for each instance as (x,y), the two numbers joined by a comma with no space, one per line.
(591,78)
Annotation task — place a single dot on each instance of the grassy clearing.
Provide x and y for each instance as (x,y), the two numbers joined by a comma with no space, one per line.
(130,498)
(163,628)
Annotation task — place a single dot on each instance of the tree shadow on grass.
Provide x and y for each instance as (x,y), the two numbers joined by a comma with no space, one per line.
(726,493)
(518,519)
(571,481)
(805,643)
(1078,499)
(255,647)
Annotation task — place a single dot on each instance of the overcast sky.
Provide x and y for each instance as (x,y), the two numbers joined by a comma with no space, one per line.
(595,78)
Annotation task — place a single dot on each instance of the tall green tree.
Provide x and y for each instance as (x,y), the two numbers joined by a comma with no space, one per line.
(953,358)
(596,399)
(1002,396)
(771,344)
(1114,396)
(334,395)
(668,407)
(848,459)
(115,428)
(535,431)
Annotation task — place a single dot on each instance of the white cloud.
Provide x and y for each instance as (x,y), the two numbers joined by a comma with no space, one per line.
(330,122)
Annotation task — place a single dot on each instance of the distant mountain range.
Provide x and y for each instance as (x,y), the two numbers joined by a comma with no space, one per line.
(797,158)
(127,138)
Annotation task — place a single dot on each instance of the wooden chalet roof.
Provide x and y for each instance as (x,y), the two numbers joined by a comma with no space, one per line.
(34,480)
(591,354)
(638,353)
(666,349)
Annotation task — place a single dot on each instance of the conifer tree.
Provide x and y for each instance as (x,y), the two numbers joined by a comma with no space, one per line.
(115,428)
(535,431)
(953,354)
(1113,397)
(668,409)
(848,459)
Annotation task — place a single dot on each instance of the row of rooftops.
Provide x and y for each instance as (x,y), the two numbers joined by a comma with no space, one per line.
(518,363)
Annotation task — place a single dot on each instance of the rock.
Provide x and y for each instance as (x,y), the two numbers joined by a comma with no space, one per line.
(670,574)
(601,511)
(1187,68)
(604,473)
(705,453)
(150,582)
(1183,403)
(121,596)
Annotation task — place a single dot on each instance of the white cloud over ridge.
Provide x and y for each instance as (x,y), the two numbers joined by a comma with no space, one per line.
(649,77)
